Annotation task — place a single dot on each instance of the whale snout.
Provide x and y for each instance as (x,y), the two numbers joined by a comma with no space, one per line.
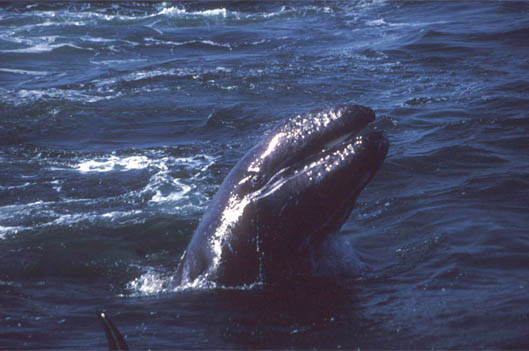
(374,146)
(378,140)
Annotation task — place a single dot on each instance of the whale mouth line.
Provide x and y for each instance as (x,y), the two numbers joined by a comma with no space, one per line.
(346,138)
(322,154)
(319,157)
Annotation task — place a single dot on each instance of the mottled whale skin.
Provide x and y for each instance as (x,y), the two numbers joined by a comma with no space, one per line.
(284,199)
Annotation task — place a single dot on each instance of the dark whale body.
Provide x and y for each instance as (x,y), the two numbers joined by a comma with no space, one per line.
(273,215)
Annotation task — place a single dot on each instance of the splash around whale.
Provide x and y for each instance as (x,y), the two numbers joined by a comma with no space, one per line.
(276,215)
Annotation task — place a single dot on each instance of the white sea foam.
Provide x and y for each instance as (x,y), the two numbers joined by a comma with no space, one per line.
(178,11)
(12,217)
(178,193)
(366,4)
(187,42)
(114,215)
(25,96)
(214,43)
(194,73)
(13,38)
(45,214)
(377,22)
(4,231)
(382,22)
(163,188)
(284,10)
(114,163)
(116,62)
(69,219)
(154,283)
(3,187)
(17,207)
(151,283)
(161,193)
(84,17)
(44,47)
(106,40)
(183,190)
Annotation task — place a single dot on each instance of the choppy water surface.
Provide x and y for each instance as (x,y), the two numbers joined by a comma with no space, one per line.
(119,122)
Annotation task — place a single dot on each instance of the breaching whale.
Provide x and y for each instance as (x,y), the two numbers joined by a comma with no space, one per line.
(284,199)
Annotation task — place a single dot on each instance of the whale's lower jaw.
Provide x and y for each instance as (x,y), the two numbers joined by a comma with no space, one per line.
(284,199)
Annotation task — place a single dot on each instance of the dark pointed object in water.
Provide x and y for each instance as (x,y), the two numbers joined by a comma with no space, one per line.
(114,337)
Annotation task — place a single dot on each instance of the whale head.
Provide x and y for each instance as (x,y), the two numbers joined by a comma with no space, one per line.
(286,195)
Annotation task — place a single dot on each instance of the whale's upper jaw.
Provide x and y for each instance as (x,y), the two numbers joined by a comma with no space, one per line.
(317,144)
(342,162)
(304,135)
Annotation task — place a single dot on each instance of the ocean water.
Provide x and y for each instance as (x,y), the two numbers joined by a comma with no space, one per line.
(119,121)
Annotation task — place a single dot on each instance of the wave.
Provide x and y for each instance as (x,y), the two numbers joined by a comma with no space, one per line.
(114,163)
(155,281)
(75,198)
(182,12)
(24,72)
(179,12)
(41,48)
(188,43)
(93,16)
(382,22)
(78,18)
(194,73)
(30,96)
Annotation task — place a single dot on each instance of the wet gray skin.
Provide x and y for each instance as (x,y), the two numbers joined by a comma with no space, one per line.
(284,198)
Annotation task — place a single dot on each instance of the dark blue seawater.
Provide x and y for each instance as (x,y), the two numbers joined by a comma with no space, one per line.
(118,122)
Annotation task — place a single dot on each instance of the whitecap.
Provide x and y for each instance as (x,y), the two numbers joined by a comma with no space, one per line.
(165,42)
(282,11)
(150,283)
(172,196)
(98,40)
(382,22)
(29,96)
(69,219)
(162,192)
(44,47)
(153,282)
(177,11)
(32,27)
(18,207)
(214,43)
(114,215)
(83,16)
(115,62)
(3,187)
(105,40)
(4,231)
(178,194)
(229,88)
(12,38)
(376,22)
(113,163)
(187,42)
